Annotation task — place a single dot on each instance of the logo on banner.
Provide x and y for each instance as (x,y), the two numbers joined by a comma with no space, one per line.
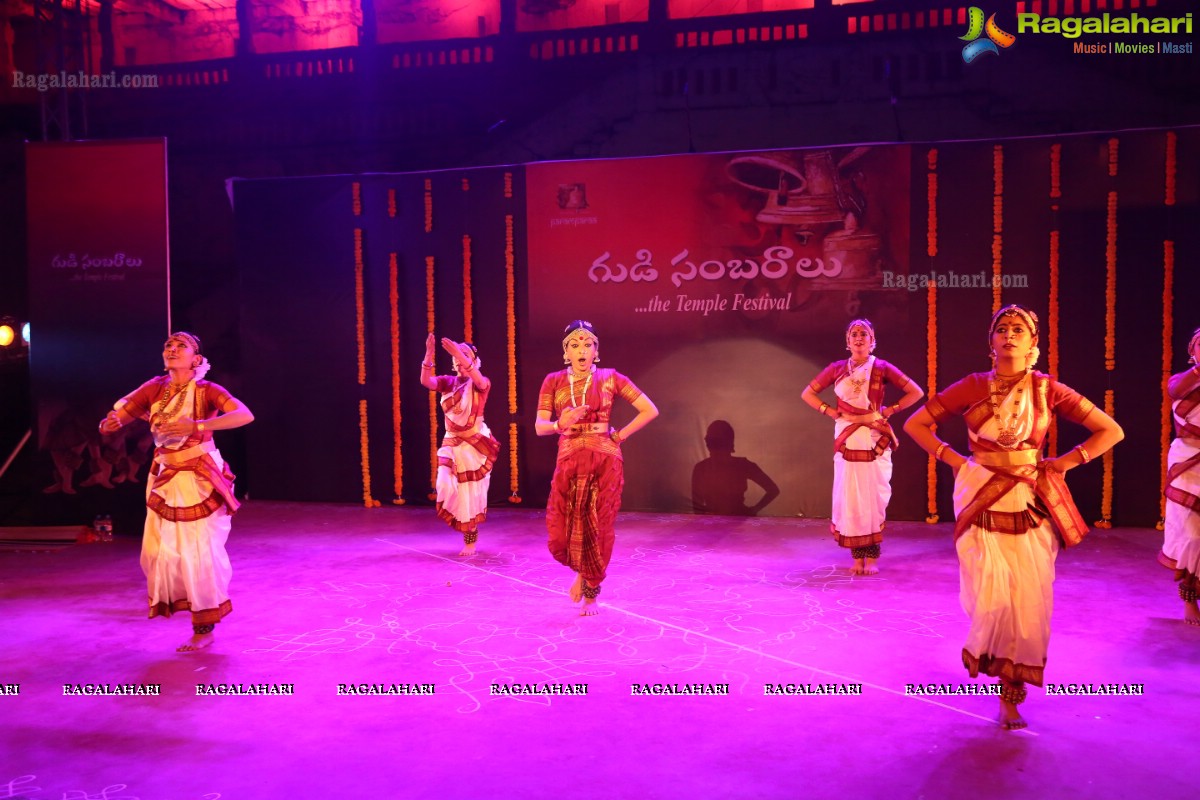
(976,28)
(572,196)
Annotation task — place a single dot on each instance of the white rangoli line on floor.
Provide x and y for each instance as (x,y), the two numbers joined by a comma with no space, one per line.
(688,631)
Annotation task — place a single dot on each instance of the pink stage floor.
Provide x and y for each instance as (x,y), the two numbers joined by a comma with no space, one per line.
(327,595)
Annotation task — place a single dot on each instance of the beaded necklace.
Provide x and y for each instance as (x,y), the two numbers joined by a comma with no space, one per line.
(164,414)
(586,385)
(998,387)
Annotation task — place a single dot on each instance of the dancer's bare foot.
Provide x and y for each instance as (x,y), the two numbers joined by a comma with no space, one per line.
(1010,718)
(468,550)
(870,567)
(199,641)
(576,590)
(858,567)
(590,607)
(1191,614)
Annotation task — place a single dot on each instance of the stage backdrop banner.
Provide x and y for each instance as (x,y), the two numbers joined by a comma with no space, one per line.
(721,285)
(99,312)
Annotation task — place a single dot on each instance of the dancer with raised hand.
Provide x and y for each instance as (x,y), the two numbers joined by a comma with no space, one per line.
(576,404)
(190,492)
(1012,507)
(468,450)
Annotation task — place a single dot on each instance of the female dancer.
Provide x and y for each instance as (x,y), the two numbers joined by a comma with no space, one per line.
(585,492)
(1181,525)
(1005,499)
(469,450)
(190,492)
(863,442)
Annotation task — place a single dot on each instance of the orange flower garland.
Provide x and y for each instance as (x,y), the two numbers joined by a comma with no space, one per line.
(394,307)
(361,337)
(363,444)
(433,426)
(1052,310)
(931,189)
(511,331)
(1052,331)
(428,205)
(1110,285)
(468,330)
(1169,197)
(392,203)
(1168,327)
(359,309)
(508,185)
(1110,329)
(997,222)
(1168,357)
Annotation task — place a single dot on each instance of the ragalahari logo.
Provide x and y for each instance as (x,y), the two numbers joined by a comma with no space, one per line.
(976,27)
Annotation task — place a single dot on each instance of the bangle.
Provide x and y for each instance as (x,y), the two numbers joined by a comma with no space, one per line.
(1083,453)
(616,436)
(557,427)
(200,427)
(937,454)
(426,366)
(822,409)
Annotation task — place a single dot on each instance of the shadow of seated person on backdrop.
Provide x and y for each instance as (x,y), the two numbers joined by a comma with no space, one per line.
(719,482)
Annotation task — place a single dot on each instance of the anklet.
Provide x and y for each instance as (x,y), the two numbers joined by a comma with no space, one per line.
(870,551)
(1013,694)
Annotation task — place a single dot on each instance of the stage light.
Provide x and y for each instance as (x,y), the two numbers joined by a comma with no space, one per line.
(13,346)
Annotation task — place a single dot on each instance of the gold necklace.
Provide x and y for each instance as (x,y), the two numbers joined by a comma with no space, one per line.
(851,368)
(997,387)
(164,414)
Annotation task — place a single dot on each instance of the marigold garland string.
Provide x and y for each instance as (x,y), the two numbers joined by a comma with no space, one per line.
(356,193)
(931,190)
(997,222)
(394,307)
(1052,314)
(1110,329)
(428,205)
(511,337)
(468,310)
(392,203)
(360,334)
(1168,357)
(931,248)
(359,308)
(363,444)
(433,426)
(1168,324)
(1052,330)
